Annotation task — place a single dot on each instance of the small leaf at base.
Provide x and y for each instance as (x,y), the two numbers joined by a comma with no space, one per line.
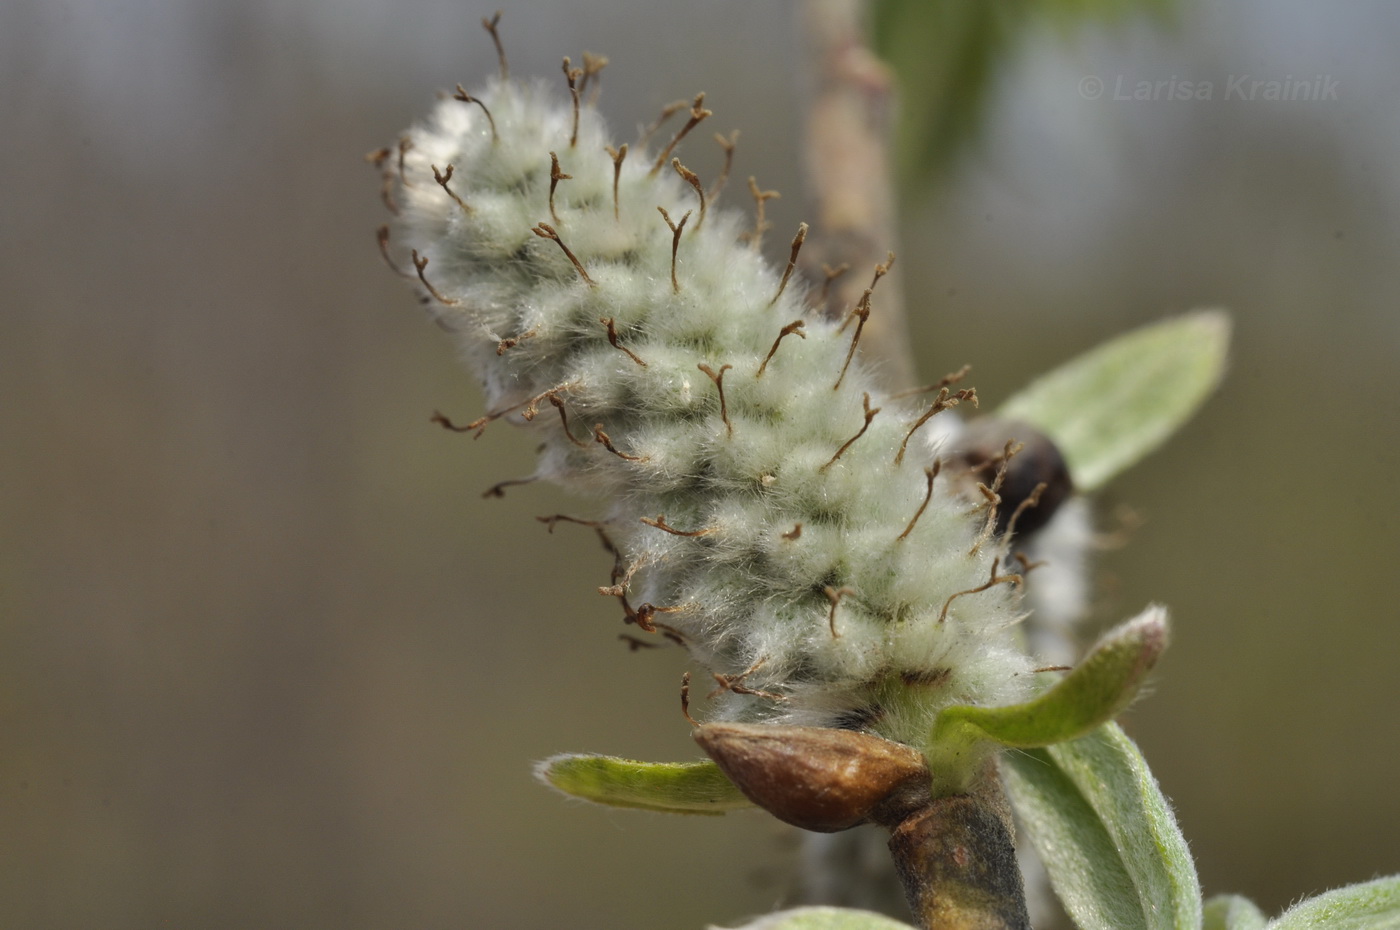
(668,787)
(1106,834)
(823,918)
(1232,912)
(1100,687)
(1372,905)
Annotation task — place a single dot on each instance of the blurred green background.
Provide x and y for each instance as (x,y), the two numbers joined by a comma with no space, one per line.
(267,659)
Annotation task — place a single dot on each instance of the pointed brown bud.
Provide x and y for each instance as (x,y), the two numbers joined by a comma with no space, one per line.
(817,778)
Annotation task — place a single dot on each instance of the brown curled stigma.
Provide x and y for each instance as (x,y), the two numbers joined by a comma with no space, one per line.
(792,329)
(718,379)
(869,415)
(834,595)
(797,241)
(996,579)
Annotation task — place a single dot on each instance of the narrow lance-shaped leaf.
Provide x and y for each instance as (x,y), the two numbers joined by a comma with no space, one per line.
(1114,404)
(669,787)
(824,918)
(1232,912)
(1107,835)
(1373,905)
(1100,687)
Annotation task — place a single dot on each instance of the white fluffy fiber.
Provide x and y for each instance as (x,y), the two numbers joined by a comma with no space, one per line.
(748,595)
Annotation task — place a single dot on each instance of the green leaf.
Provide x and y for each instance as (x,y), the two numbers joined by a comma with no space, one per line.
(1106,834)
(1102,685)
(1373,905)
(669,787)
(824,918)
(1232,912)
(1113,405)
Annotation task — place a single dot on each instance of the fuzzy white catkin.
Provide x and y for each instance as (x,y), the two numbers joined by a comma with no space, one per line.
(749,593)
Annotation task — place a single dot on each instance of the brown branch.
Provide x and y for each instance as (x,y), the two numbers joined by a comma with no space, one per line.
(849,124)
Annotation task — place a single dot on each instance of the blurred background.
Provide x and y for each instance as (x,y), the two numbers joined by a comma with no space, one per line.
(268,659)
